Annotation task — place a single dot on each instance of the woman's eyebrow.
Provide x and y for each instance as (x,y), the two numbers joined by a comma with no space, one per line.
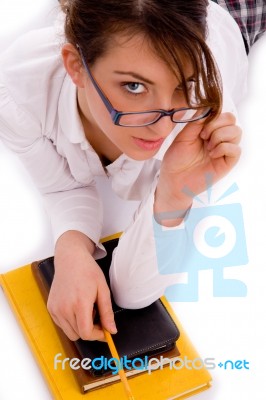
(134,75)
(141,78)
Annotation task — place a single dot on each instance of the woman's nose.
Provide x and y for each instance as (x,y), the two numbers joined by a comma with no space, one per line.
(163,127)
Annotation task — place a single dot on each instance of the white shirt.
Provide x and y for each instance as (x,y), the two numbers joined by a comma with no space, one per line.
(39,121)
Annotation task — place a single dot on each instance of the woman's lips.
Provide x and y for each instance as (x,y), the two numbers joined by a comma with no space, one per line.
(148,144)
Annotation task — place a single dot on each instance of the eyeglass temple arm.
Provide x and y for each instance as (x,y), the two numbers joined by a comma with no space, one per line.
(95,84)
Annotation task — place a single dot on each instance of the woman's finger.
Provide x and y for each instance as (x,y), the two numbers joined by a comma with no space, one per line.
(229,151)
(105,308)
(84,315)
(224,120)
(230,134)
(68,329)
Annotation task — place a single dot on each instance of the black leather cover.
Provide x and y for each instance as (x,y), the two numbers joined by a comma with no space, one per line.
(142,332)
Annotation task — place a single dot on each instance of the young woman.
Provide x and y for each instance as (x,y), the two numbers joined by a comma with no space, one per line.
(139,96)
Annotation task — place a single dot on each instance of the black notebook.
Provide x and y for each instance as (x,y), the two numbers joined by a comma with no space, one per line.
(141,333)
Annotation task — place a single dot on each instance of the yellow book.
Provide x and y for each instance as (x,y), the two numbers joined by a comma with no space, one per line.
(162,384)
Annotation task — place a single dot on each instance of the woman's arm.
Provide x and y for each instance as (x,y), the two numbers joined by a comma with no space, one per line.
(144,251)
(76,217)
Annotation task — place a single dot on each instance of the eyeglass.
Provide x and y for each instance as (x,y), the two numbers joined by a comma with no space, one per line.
(145,118)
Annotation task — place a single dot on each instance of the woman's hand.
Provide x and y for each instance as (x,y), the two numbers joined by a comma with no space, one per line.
(78,284)
(198,150)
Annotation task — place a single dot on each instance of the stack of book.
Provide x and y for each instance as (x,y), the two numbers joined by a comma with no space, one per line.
(151,343)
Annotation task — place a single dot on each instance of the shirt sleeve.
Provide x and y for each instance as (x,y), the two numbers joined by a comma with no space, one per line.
(146,252)
(70,204)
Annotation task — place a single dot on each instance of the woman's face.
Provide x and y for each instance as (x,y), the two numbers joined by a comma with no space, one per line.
(133,78)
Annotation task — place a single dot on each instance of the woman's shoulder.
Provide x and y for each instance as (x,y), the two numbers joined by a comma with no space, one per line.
(32,75)
(31,63)
(31,48)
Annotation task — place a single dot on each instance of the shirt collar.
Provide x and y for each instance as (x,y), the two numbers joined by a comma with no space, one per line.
(68,115)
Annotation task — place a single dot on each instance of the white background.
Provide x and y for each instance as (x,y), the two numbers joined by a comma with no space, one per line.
(221,328)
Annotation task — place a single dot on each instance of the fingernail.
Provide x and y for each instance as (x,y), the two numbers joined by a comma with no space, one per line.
(112,327)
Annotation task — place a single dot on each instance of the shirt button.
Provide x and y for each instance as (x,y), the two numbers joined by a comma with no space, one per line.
(84,145)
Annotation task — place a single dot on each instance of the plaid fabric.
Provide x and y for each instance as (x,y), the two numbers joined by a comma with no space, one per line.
(250,16)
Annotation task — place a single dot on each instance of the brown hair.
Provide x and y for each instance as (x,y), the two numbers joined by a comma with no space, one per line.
(176,29)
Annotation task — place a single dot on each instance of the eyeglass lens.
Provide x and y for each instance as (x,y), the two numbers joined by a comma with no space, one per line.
(142,119)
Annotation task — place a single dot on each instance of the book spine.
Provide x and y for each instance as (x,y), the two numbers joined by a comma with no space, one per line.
(29,338)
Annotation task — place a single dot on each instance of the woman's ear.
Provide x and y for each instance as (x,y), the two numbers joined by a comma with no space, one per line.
(73,64)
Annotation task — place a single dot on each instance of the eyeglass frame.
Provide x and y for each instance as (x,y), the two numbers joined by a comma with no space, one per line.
(116,115)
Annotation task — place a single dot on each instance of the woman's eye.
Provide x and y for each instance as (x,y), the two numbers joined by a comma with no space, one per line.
(134,87)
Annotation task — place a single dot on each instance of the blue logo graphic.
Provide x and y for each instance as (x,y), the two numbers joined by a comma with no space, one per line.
(238,364)
(211,238)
